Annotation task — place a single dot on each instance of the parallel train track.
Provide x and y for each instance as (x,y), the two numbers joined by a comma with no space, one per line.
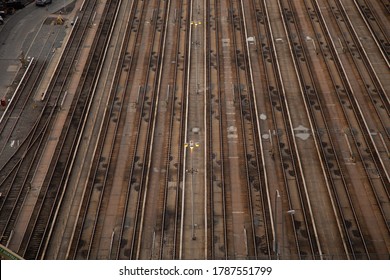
(32,245)
(216,128)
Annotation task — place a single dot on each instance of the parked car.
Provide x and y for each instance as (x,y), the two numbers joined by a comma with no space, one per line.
(8,7)
(42,2)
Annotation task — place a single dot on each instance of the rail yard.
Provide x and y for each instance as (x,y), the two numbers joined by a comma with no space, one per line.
(202,129)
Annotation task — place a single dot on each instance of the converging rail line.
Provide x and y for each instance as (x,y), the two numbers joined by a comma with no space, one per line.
(204,129)
(53,185)
(175,101)
(338,77)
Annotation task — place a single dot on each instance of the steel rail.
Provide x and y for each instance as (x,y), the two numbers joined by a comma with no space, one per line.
(330,183)
(133,57)
(10,206)
(261,19)
(378,161)
(347,85)
(103,129)
(121,251)
(32,242)
(151,130)
(372,147)
(369,16)
(185,128)
(78,196)
(170,213)
(386,5)
(307,213)
(147,113)
(300,73)
(16,98)
(267,60)
(213,47)
(380,90)
(248,128)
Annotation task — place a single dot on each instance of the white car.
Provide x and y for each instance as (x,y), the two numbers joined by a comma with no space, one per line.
(1,20)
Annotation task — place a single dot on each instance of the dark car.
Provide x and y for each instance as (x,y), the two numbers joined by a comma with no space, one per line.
(42,2)
(8,7)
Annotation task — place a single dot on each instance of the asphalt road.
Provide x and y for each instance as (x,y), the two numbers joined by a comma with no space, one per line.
(22,32)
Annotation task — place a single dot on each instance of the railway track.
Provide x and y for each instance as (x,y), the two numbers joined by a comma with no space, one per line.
(28,154)
(24,101)
(318,123)
(193,230)
(9,123)
(131,202)
(333,65)
(141,146)
(32,245)
(370,123)
(216,121)
(23,98)
(255,182)
(146,103)
(370,15)
(63,231)
(19,163)
(385,4)
(175,102)
(210,130)
(290,148)
(88,230)
(146,234)
(374,89)
(16,183)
